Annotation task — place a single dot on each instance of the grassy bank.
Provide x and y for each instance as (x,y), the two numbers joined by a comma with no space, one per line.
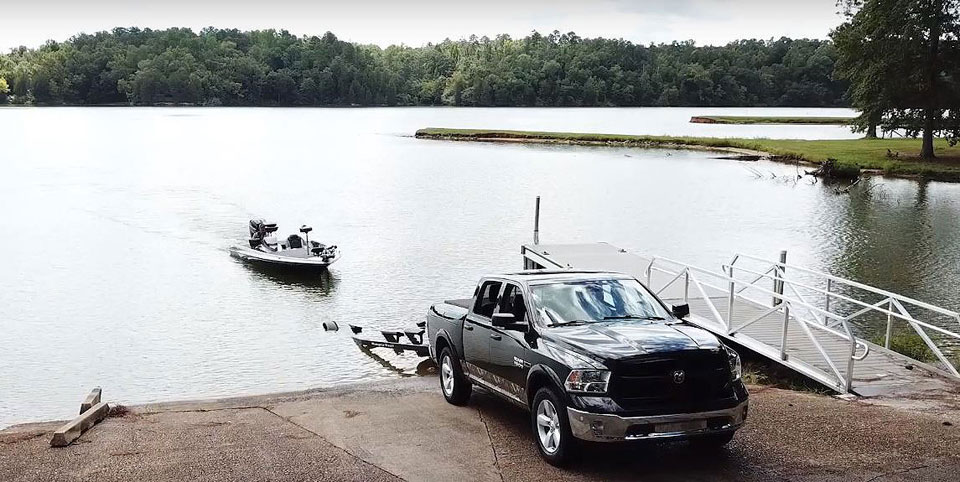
(896,157)
(713,119)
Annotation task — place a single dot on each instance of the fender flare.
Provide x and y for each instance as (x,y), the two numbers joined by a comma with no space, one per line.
(540,369)
(442,334)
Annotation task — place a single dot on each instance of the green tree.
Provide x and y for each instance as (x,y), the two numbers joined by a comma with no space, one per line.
(901,59)
(4,90)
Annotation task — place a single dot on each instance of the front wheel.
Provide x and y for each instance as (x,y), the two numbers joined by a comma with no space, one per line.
(552,428)
(455,387)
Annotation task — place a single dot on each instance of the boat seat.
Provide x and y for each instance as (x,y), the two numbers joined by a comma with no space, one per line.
(295,242)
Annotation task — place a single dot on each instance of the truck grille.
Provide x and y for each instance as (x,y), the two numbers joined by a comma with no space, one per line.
(648,383)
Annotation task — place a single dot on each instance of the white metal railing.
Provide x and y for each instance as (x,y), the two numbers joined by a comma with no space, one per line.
(891,305)
(788,299)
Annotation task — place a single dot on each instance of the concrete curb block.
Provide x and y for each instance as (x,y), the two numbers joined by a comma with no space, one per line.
(91,400)
(66,434)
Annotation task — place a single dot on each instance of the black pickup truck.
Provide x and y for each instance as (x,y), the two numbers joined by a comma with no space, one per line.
(593,355)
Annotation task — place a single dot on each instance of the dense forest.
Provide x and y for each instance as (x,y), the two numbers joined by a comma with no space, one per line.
(231,67)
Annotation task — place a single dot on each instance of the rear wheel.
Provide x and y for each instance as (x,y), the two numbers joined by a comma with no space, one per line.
(552,428)
(454,385)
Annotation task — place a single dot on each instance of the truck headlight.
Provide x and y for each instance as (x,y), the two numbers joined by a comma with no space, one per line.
(736,368)
(587,381)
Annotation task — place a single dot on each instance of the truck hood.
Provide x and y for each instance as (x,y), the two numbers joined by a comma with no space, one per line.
(628,339)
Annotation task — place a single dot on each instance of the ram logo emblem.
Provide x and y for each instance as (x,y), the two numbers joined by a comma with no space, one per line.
(679,376)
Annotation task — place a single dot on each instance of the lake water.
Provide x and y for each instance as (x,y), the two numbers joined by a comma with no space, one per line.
(117,223)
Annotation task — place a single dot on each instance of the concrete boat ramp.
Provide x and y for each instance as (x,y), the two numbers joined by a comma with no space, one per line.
(404,430)
(800,318)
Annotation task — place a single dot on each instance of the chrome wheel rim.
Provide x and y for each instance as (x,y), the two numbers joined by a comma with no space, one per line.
(548,426)
(446,376)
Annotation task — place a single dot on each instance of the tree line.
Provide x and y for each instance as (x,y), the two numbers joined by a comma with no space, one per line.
(268,67)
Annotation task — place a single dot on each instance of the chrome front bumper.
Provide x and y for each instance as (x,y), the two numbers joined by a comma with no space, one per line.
(598,427)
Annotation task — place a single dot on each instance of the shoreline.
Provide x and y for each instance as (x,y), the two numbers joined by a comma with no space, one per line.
(188,104)
(769,120)
(854,157)
(572,142)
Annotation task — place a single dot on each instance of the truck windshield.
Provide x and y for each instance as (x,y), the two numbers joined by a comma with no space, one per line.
(595,301)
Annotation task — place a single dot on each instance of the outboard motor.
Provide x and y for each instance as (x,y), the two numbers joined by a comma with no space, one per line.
(259,229)
(257,232)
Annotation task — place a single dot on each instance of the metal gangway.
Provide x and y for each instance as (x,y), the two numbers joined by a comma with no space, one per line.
(801,318)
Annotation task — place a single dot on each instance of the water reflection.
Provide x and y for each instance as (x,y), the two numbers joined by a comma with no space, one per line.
(425,367)
(891,234)
(321,283)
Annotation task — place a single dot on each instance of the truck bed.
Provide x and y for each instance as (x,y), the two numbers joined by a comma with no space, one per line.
(462,303)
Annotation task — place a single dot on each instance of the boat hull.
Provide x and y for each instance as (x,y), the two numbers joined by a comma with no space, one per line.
(258,257)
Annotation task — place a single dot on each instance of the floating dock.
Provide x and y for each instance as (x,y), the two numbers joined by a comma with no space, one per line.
(800,318)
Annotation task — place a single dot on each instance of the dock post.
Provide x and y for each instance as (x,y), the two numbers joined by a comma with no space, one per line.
(783,335)
(778,274)
(826,306)
(886,339)
(536,223)
(733,293)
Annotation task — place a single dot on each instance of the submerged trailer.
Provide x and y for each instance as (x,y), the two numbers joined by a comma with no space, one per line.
(397,340)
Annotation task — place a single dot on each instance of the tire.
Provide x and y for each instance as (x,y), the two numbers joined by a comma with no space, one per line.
(712,441)
(453,384)
(551,428)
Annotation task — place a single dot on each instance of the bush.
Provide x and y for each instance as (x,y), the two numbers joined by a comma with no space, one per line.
(909,344)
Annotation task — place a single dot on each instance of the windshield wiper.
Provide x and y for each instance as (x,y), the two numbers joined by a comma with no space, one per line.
(568,323)
(633,317)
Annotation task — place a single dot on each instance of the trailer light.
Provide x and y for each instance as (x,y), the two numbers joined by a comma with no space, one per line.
(588,381)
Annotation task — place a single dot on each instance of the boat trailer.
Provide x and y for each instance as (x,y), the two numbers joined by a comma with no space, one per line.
(397,340)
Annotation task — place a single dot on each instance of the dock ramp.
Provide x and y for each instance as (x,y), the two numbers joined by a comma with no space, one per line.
(800,318)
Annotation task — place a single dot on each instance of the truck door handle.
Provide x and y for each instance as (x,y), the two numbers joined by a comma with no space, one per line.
(468,327)
(495,337)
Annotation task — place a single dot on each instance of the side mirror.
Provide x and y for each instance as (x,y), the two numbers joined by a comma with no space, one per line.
(503,320)
(680,311)
(509,322)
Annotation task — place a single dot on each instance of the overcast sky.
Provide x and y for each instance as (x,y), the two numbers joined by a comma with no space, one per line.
(416,22)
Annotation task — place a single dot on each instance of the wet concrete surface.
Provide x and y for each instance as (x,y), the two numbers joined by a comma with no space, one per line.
(405,430)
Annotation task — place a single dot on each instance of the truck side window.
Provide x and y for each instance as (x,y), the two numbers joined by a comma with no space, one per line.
(512,302)
(487,298)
